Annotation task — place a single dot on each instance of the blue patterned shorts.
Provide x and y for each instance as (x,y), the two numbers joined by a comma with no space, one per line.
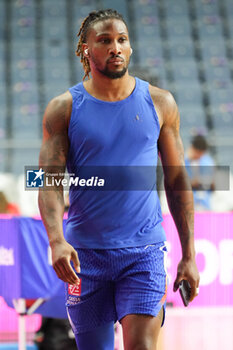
(115,283)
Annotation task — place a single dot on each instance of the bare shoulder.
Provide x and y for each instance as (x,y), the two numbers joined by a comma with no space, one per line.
(58,112)
(55,142)
(164,103)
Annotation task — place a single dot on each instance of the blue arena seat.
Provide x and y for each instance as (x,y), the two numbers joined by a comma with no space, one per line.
(53,11)
(205,8)
(54,30)
(25,49)
(23,20)
(2,23)
(2,96)
(213,73)
(25,156)
(223,119)
(146,50)
(55,52)
(23,70)
(3,119)
(224,154)
(230,26)
(192,116)
(185,69)
(2,74)
(189,92)
(220,94)
(81,10)
(176,8)
(181,49)
(210,27)
(120,6)
(210,49)
(178,27)
(145,8)
(55,88)
(56,72)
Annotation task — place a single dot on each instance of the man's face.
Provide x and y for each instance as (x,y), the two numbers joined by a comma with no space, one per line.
(109,48)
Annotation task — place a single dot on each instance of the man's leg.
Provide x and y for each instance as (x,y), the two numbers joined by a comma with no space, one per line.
(140,295)
(90,305)
(140,332)
(101,338)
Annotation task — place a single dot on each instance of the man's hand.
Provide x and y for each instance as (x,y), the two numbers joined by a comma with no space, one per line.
(62,254)
(187,270)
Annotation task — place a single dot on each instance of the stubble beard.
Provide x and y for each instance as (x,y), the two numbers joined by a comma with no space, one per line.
(108,73)
(111,74)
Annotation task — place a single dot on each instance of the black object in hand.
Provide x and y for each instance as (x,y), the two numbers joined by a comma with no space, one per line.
(185,292)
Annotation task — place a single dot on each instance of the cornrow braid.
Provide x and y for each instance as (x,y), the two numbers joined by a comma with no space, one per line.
(93,17)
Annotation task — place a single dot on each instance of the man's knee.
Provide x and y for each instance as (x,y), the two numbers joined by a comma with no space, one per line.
(141,332)
(141,345)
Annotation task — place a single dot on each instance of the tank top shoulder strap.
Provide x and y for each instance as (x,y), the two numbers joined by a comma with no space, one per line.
(76,92)
(143,90)
(142,84)
(143,87)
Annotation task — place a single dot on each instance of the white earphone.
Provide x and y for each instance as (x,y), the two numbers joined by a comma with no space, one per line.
(131,50)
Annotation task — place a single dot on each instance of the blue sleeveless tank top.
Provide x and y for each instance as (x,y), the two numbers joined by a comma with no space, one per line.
(114,135)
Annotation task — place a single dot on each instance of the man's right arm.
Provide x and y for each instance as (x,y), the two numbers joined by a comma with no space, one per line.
(53,155)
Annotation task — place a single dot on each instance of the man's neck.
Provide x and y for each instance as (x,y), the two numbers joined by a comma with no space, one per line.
(107,89)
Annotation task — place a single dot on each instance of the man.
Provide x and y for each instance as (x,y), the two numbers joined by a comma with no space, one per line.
(115,238)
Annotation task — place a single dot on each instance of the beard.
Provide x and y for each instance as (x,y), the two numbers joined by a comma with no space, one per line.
(110,73)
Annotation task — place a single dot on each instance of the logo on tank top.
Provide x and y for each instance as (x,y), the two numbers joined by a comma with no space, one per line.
(75,289)
(137,118)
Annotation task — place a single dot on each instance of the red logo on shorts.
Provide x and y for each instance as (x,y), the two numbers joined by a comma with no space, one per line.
(75,289)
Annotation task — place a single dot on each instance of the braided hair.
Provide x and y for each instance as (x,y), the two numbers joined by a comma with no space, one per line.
(93,17)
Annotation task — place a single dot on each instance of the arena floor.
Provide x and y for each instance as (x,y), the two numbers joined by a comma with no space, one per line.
(196,328)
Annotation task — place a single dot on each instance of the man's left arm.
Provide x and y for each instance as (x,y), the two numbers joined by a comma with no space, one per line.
(178,190)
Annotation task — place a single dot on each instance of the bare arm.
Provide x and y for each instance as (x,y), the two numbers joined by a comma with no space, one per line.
(52,158)
(178,188)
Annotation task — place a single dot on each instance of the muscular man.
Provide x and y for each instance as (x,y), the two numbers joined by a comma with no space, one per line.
(113,257)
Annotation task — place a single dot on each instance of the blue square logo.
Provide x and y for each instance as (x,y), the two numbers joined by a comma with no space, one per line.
(35,178)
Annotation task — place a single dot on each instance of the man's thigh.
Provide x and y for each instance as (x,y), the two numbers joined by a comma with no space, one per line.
(142,287)
(141,331)
(90,304)
(141,296)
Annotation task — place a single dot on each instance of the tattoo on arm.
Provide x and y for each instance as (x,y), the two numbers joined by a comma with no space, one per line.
(53,157)
(48,127)
(55,143)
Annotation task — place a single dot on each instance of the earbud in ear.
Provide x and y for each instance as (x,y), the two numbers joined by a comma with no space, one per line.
(86,51)
(131,50)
